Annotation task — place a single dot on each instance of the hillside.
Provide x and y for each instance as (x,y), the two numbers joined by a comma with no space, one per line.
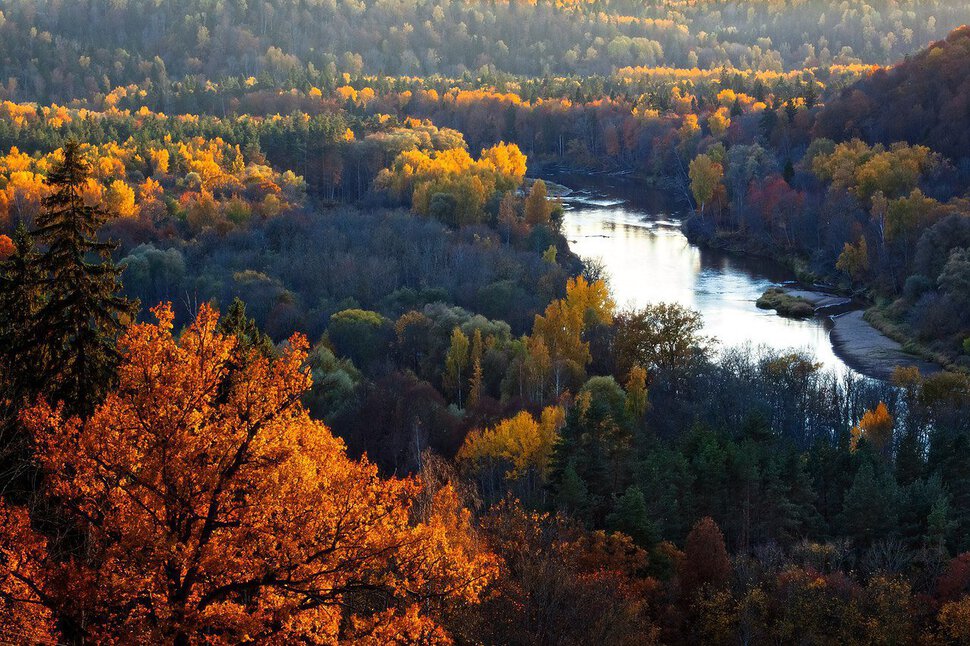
(923,100)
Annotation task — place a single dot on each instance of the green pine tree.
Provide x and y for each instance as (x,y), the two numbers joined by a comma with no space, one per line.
(630,516)
(75,330)
(573,495)
(20,300)
(236,322)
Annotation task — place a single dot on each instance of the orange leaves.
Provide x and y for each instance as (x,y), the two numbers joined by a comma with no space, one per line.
(24,617)
(215,505)
(876,427)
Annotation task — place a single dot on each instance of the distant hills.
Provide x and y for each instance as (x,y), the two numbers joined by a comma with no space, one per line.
(923,100)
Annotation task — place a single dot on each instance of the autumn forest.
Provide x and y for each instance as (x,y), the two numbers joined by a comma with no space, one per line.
(296,347)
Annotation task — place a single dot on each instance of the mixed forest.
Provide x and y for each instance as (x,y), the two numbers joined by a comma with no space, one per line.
(293,347)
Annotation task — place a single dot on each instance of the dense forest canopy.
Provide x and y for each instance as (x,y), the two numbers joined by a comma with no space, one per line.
(293,346)
(58,51)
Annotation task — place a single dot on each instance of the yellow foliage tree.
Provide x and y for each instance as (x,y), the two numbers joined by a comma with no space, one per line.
(518,448)
(562,325)
(120,200)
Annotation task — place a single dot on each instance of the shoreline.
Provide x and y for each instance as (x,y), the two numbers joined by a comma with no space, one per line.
(870,352)
(858,343)
(855,341)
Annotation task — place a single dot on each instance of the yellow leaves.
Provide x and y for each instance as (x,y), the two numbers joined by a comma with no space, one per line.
(705,177)
(506,160)
(521,442)
(347,93)
(562,325)
(689,127)
(16,161)
(120,200)
(876,427)
(719,121)
(160,159)
(420,175)
(18,114)
(203,472)
(149,190)
(865,170)
(854,259)
(365,96)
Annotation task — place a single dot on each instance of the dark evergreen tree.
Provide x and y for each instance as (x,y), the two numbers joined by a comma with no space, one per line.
(73,334)
(236,322)
(20,299)
(630,516)
(870,509)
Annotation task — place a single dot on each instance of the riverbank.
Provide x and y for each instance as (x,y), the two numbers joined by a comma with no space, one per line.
(619,224)
(866,349)
(854,339)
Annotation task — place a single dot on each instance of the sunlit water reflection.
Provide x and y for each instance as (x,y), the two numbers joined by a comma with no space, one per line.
(649,260)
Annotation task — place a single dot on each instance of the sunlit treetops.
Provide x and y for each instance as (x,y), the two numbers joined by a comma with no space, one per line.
(132,179)
(450,184)
(198,476)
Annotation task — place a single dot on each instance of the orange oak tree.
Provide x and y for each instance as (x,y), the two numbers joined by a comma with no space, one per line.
(24,614)
(216,509)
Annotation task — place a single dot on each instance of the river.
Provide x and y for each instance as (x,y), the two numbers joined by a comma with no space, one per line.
(635,233)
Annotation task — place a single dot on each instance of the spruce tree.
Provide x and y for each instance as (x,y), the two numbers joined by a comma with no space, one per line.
(20,299)
(75,330)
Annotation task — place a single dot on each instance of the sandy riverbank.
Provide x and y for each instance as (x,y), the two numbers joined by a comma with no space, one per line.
(856,342)
(868,350)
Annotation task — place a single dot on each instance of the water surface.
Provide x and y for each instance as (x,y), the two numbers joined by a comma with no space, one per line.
(636,235)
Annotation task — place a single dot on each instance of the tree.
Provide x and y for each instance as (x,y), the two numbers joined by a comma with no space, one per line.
(719,121)
(869,510)
(475,381)
(630,516)
(362,335)
(705,177)
(954,618)
(25,616)
(20,300)
(456,362)
(876,427)
(705,561)
(120,200)
(213,507)
(854,259)
(955,278)
(74,331)
(636,393)
(564,322)
(663,337)
(537,209)
(516,449)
